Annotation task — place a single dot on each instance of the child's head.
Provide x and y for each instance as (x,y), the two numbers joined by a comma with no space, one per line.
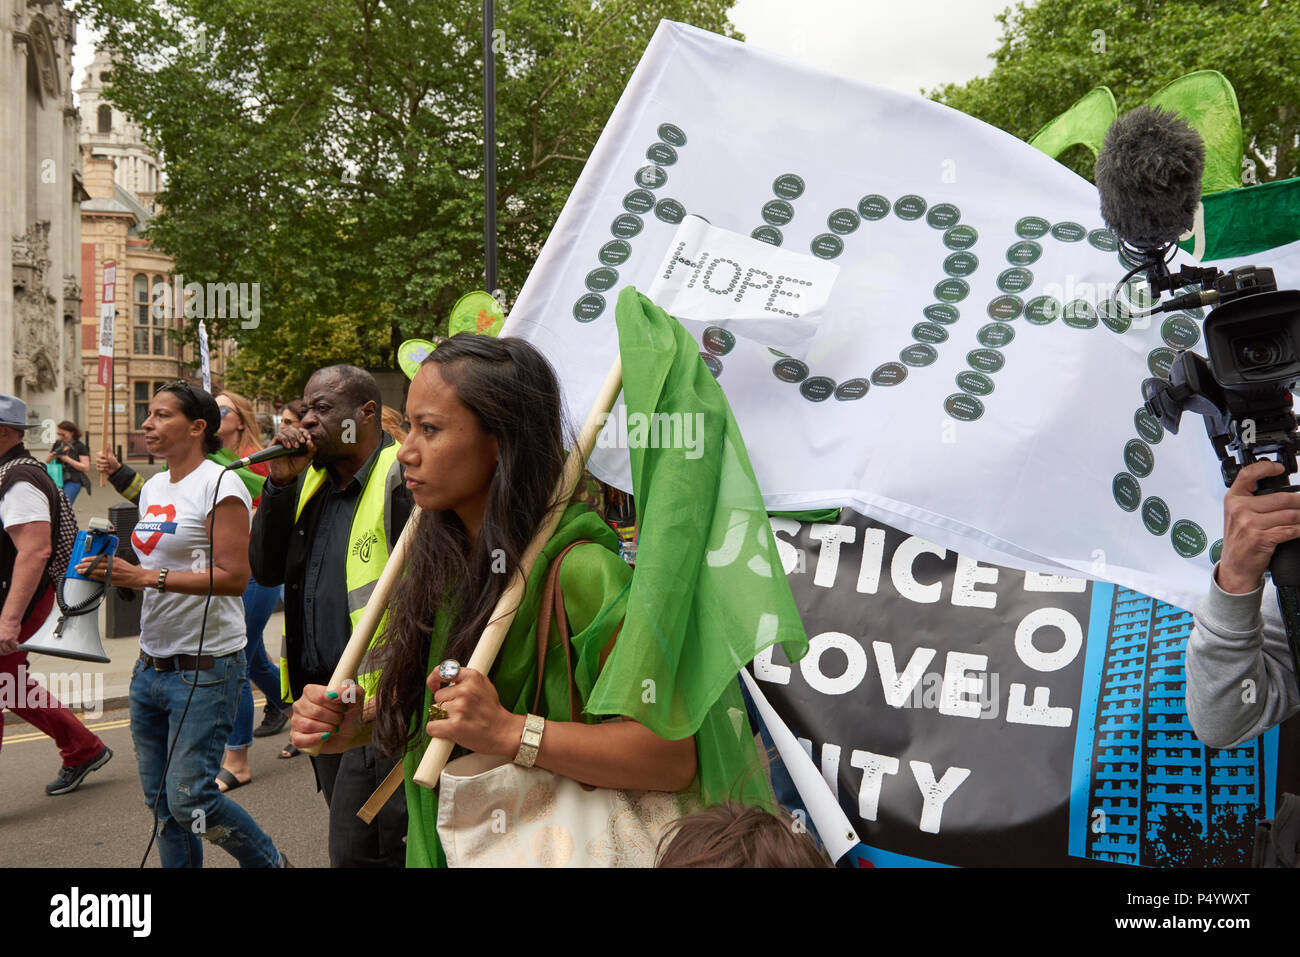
(733,835)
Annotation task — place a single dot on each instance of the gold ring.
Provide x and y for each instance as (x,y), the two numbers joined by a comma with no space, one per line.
(436,713)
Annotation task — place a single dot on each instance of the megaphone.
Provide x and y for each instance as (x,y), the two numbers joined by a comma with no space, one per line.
(74,631)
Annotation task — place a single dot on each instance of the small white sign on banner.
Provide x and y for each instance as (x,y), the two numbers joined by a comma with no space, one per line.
(749,287)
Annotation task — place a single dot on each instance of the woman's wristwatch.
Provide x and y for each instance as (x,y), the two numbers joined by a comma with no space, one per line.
(530,741)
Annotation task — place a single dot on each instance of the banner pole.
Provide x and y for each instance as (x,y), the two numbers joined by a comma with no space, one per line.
(104,359)
(103,437)
(112,390)
(350,661)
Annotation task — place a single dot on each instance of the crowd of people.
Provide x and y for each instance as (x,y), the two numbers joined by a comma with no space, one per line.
(479,451)
(477,456)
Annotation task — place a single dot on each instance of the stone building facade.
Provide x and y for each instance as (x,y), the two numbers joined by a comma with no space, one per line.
(40,191)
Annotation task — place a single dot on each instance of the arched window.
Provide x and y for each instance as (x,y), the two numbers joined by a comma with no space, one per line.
(105,119)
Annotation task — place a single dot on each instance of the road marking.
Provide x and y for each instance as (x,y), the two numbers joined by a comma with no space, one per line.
(37,735)
(96,727)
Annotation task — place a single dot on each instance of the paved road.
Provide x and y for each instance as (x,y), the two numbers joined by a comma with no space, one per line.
(105,822)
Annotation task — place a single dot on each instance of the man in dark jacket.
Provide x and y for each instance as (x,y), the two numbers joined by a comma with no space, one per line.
(325,531)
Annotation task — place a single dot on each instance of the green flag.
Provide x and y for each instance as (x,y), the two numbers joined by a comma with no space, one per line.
(1248,221)
(709,592)
(1207,101)
(1086,123)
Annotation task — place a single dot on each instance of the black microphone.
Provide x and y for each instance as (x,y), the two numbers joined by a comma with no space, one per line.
(270,452)
(1149,177)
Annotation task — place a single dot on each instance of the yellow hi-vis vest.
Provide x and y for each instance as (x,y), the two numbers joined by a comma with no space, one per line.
(367,546)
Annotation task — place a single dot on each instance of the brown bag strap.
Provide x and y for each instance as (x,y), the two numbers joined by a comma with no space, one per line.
(375,803)
(553,603)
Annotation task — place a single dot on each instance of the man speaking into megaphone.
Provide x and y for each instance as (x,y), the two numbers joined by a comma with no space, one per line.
(29,504)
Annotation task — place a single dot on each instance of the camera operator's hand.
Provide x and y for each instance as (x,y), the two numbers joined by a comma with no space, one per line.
(1253,526)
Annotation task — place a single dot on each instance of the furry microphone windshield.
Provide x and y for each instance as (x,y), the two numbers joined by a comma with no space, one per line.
(1149,177)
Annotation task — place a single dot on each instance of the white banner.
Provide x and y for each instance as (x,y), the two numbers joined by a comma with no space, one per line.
(969,382)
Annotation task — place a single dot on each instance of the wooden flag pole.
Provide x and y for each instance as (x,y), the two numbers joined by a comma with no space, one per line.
(104,362)
(350,662)
(485,653)
(103,437)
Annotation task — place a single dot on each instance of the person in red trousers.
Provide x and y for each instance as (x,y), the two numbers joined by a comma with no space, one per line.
(29,502)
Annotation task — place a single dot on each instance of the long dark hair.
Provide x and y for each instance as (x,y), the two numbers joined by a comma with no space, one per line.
(198,405)
(512,391)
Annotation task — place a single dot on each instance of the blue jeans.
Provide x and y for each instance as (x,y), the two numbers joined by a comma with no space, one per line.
(191,803)
(259,603)
(72,490)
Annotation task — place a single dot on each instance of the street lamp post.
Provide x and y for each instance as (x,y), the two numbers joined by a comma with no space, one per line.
(489,150)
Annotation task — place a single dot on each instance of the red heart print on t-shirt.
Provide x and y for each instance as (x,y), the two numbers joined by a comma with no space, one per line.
(162,511)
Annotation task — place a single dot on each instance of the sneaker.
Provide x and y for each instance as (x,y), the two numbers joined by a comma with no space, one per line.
(70,779)
(272,723)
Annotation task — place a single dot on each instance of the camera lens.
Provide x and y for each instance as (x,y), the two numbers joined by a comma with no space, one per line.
(1260,352)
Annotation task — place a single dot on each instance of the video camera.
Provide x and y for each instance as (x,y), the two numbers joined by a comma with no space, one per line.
(1149,175)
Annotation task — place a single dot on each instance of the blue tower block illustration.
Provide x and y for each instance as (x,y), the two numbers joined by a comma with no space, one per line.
(1156,796)
(1116,785)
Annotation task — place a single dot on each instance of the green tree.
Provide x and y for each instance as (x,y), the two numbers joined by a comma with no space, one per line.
(332,150)
(1055,51)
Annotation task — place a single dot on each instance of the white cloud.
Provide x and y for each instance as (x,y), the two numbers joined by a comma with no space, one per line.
(907,46)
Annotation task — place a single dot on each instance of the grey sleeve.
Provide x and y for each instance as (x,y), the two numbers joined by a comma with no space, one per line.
(1240,676)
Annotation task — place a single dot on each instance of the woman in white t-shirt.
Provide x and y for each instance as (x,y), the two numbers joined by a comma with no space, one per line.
(191,646)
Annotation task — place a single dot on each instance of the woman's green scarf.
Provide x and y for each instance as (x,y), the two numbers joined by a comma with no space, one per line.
(596,586)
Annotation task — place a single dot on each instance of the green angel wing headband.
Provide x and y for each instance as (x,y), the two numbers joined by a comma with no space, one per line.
(474,312)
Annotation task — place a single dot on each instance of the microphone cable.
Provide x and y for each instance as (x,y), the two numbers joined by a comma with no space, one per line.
(207,602)
(1159,256)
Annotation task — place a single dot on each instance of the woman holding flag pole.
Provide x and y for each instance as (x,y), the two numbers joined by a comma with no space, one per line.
(484,461)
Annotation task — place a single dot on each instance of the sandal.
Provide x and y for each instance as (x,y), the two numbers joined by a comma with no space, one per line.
(231,782)
(289,751)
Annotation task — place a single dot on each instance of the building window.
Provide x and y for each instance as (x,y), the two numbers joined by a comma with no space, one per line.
(140,302)
(144,391)
(141,404)
(150,309)
(105,119)
(159,316)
